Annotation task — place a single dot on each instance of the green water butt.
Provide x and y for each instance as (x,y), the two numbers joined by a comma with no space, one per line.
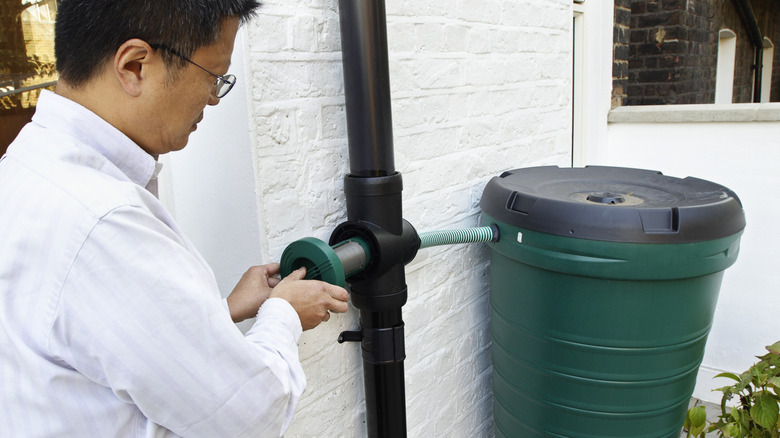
(599,320)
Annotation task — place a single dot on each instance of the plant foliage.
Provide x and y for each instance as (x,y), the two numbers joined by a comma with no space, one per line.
(756,413)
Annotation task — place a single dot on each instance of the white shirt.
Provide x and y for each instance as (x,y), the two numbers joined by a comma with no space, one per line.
(112,323)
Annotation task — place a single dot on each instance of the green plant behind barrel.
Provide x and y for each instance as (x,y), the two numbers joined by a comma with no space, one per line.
(755,414)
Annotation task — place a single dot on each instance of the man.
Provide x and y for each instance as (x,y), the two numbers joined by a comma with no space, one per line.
(112,324)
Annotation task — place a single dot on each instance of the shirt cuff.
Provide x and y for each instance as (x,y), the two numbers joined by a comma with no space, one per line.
(281,310)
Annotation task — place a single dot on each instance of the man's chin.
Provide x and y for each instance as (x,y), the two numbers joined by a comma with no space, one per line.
(179,146)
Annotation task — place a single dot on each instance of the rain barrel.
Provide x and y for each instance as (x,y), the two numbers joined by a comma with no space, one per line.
(603,290)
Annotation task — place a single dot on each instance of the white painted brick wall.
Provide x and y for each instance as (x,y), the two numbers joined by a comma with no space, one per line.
(479,87)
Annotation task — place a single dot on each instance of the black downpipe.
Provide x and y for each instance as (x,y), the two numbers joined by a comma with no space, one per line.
(373,193)
(367,87)
(758,73)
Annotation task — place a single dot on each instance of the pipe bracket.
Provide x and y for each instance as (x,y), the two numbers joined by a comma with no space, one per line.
(383,345)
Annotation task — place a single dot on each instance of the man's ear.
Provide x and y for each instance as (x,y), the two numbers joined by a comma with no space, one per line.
(131,65)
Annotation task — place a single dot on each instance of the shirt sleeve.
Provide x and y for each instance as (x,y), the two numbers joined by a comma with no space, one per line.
(140,313)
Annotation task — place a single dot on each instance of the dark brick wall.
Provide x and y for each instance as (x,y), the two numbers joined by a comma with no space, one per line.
(775,93)
(768,16)
(621,38)
(672,53)
(673,46)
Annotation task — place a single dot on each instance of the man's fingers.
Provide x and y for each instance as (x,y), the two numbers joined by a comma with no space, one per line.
(297,274)
(337,306)
(272,268)
(339,296)
(313,300)
(339,293)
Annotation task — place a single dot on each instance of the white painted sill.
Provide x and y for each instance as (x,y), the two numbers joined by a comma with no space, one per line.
(705,113)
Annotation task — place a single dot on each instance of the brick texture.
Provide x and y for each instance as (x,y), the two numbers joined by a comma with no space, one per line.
(621,38)
(479,87)
(769,23)
(775,92)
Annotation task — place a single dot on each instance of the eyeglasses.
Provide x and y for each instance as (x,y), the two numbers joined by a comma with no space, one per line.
(223,84)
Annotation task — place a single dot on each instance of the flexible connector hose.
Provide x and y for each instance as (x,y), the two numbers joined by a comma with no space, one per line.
(462,235)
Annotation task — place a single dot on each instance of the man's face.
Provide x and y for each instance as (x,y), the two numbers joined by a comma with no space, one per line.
(176,106)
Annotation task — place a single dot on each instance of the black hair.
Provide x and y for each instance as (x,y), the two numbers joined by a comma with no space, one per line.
(87,33)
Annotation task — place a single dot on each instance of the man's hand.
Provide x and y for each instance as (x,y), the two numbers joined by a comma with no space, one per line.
(252,290)
(312,299)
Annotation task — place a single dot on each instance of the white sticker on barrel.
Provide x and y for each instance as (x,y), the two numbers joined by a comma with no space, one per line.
(520,237)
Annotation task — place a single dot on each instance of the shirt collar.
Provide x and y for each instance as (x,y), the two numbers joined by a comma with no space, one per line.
(64,115)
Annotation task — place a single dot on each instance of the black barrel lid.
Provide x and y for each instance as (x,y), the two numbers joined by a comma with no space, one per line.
(613,204)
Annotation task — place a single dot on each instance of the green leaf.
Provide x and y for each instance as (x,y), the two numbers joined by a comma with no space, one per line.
(733,430)
(759,374)
(696,420)
(744,381)
(736,414)
(729,375)
(765,410)
(774,348)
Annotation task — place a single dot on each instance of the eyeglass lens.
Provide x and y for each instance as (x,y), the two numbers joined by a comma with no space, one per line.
(224,84)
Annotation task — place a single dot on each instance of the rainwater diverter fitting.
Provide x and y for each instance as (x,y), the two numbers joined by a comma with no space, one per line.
(360,250)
